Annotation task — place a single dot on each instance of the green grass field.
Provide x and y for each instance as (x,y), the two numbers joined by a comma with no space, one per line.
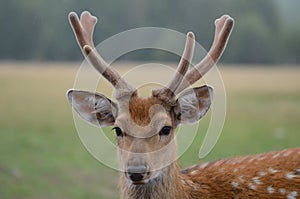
(41,155)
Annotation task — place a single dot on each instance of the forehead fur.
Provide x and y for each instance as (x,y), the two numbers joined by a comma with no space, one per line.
(139,109)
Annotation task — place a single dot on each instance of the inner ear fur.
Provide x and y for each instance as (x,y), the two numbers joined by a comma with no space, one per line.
(93,107)
(193,104)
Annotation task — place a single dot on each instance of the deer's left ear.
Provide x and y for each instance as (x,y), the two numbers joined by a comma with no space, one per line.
(193,104)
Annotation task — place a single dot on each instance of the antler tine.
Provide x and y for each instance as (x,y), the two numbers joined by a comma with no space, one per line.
(83,30)
(111,75)
(223,30)
(167,92)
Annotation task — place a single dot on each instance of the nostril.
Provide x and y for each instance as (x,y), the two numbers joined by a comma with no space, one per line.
(136,177)
(136,173)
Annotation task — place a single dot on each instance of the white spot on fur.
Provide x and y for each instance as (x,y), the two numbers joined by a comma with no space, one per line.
(233,162)
(202,166)
(292,195)
(287,153)
(195,187)
(218,163)
(235,184)
(290,176)
(282,191)
(240,160)
(251,159)
(194,172)
(251,186)
(271,170)
(275,156)
(261,173)
(270,189)
(221,170)
(241,178)
(190,182)
(256,180)
(243,166)
(183,182)
(235,170)
(261,158)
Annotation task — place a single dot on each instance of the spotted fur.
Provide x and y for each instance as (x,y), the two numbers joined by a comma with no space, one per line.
(269,178)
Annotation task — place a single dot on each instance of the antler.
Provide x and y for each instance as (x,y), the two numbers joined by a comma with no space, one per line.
(168,91)
(83,30)
(223,30)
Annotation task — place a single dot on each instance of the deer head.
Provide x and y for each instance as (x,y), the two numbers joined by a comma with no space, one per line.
(145,127)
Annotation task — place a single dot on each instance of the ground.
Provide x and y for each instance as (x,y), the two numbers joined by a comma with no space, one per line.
(41,155)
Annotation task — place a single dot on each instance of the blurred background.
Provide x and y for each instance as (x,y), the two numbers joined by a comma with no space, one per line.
(41,155)
(39,30)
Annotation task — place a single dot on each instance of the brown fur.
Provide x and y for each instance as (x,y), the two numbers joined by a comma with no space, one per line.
(270,175)
(255,176)
(262,176)
(139,109)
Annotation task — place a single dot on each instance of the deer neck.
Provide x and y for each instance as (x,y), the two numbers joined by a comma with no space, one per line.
(167,185)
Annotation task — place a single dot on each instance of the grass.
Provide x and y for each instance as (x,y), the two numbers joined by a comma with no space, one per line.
(41,155)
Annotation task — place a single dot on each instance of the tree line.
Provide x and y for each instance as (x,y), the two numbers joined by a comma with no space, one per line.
(39,30)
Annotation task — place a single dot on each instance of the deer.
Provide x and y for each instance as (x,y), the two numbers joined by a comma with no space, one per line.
(145,131)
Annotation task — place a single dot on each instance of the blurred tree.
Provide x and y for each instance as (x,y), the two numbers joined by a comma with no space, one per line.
(291,45)
(39,30)
(256,29)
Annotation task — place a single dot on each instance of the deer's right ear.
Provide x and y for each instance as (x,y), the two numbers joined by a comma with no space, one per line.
(94,108)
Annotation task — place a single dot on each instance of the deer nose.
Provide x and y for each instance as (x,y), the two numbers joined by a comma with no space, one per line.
(136,173)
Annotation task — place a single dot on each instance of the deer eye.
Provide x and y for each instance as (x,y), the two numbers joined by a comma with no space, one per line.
(118,131)
(165,130)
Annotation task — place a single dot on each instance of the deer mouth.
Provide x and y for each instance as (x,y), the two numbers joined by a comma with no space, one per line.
(139,182)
